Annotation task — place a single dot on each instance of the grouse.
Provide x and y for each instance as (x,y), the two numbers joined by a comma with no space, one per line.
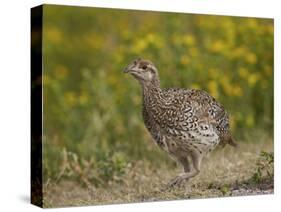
(186,123)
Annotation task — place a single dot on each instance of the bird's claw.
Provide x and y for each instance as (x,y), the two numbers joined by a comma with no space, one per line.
(176,182)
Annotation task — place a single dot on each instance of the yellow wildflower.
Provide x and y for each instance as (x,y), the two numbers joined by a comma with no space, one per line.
(217,46)
(140,45)
(213,88)
(151,38)
(53,34)
(252,22)
(184,60)
(237,90)
(251,58)
(252,79)
(61,71)
(70,98)
(189,40)
(243,72)
(154,40)
(250,120)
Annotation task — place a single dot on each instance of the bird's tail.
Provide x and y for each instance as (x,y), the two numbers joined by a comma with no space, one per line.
(232,142)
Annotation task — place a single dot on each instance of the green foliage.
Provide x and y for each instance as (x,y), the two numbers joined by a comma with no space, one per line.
(112,167)
(224,189)
(93,110)
(99,170)
(265,167)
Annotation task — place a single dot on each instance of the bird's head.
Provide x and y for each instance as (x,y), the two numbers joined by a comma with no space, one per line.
(142,70)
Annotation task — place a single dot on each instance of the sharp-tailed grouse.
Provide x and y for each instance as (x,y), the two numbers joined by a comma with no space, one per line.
(186,123)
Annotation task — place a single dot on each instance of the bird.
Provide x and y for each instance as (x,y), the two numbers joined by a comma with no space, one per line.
(187,124)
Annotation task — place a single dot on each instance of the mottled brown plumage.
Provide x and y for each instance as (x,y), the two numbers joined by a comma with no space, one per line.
(186,123)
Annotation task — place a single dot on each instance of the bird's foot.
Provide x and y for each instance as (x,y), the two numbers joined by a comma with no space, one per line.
(178,181)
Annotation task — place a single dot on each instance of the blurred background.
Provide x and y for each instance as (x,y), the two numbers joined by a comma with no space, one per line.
(92,111)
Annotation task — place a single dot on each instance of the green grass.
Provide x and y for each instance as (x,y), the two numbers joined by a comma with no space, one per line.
(226,172)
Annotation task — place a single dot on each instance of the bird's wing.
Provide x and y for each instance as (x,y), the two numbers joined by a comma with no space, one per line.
(190,108)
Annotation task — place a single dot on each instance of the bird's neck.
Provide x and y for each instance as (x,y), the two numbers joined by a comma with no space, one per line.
(152,95)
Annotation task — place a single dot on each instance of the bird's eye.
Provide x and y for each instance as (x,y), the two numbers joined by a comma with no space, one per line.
(144,67)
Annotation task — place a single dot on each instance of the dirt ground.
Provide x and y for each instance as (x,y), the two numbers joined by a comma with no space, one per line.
(226,172)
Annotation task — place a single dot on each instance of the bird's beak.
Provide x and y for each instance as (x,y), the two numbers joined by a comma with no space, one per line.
(132,67)
(126,70)
(129,69)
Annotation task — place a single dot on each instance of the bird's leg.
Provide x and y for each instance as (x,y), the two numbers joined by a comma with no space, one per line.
(185,163)
(196,159)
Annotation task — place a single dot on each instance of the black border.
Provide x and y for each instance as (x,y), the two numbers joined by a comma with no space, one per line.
(36,105)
